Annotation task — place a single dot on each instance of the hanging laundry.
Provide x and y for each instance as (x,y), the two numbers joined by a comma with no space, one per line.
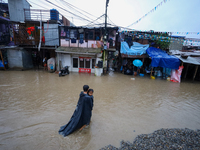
(30,29)
(73,40)
(81,36)
(81,41)
(43,39)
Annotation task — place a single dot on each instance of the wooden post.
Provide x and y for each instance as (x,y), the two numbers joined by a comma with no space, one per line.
(35,37)
(151,72)
(2,60)
(14,34)
(186,71)
(195,73)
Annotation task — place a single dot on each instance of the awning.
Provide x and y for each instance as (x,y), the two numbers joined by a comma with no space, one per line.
(78,50)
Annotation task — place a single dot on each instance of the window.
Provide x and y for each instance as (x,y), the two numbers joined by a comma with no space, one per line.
(81,62)
(75,62)
(93,63)
(87,63)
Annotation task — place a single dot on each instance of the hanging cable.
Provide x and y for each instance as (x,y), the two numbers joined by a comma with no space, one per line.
(67,11)
(111,21)
(95,20)
(77,10)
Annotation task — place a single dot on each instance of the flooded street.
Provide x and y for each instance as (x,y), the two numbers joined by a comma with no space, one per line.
(34,104)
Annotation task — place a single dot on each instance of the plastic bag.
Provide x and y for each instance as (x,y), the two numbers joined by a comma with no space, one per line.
(176,74)
(51,64)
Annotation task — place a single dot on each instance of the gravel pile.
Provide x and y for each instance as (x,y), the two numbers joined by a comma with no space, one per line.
(184,139)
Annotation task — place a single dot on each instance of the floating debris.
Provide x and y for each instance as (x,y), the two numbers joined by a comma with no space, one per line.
(163,139)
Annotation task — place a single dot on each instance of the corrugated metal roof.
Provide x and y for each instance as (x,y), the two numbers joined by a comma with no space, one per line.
(190,60)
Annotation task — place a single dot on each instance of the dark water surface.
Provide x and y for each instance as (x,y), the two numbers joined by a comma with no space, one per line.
(34,104)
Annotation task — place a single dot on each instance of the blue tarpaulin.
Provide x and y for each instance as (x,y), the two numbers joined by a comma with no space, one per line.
(1,63)
(135,49)
(161,59)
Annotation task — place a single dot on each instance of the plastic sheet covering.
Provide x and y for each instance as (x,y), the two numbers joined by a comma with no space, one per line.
(135,49)
(176,75)
(161,59)
(51,64)
(81,116)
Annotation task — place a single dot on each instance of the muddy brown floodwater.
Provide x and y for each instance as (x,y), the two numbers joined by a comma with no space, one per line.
(34,104)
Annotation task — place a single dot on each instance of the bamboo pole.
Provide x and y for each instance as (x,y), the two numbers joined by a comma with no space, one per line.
(151,72)
(186,71)
(195,72)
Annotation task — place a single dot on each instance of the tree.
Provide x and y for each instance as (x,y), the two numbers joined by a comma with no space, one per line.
(162,41)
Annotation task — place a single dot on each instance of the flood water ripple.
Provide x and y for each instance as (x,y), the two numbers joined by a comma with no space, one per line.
(34,104)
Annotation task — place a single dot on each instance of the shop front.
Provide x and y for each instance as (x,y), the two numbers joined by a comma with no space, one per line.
(83,64)
(77,62)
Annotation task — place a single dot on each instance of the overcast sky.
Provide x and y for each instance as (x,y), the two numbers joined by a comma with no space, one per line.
(172,16)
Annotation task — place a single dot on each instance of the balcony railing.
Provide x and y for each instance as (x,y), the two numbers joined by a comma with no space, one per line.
(37,15)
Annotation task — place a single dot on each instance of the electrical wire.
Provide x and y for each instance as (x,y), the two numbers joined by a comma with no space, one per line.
(67,11)
(77,17)
(46,8)
(95,20)
(111,21)
(69,5)
(37,4)
(78,8)
(47,17)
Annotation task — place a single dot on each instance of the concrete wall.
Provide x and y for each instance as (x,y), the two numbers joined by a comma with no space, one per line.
(16,9)
(175,45)
(14,58)
(19,58)
(65,60)
(52,35)
(89,44)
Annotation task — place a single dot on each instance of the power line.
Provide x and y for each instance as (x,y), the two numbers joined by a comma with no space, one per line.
(36,4)
(95,20)
(67,11)
(76,10)
(111,21)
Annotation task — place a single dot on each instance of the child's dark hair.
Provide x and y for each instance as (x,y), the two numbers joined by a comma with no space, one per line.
(91,90)
(85,88)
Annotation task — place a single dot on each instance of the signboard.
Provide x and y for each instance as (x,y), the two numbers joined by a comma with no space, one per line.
(84,57)
(84,70)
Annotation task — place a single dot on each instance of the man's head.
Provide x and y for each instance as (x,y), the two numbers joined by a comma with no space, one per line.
(85,88)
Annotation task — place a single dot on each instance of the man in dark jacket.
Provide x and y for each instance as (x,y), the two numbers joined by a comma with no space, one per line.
(82,114)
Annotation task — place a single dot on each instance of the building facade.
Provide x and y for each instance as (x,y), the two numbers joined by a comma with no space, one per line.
(81,48)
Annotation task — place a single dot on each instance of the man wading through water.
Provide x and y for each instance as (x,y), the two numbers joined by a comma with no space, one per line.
(82,113)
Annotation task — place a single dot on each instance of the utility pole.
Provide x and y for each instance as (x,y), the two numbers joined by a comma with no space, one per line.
(105,41)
